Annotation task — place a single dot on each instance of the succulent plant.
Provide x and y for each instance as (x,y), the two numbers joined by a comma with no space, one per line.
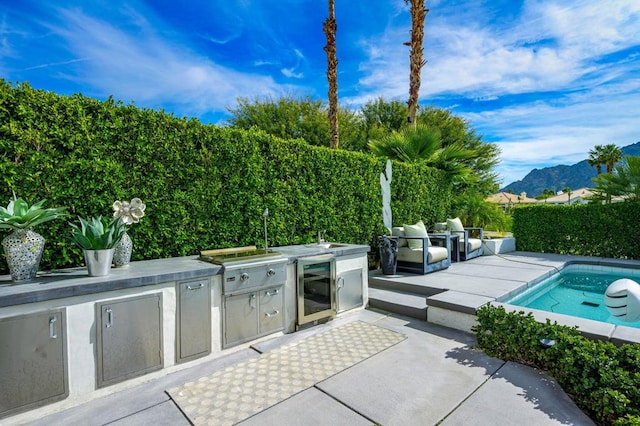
(19,215)
(98,233)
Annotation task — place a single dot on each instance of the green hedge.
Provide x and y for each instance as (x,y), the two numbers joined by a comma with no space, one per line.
(606,230)
(204,186)
(603,380)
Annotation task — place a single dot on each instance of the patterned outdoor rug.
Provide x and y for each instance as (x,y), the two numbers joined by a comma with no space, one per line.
(238,392)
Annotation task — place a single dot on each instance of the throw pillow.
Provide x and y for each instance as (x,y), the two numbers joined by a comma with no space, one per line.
(417,230)
(398,231)
(455,226)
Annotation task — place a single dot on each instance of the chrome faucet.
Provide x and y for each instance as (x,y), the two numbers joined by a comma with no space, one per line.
(320,239)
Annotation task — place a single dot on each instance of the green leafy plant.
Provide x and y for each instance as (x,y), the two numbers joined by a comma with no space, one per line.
(603,379)
(98,233)
(19,215)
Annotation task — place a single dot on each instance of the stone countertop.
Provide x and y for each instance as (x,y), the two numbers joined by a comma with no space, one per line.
(337,249)
(58,284)
(62,283)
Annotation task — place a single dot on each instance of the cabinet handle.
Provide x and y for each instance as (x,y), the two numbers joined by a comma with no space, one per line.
(268,315)
(252,301)
(271,292)
(52,327)
(198,287)
(340,283)
(109,313)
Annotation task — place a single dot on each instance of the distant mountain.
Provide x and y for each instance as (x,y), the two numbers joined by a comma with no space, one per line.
(558,177)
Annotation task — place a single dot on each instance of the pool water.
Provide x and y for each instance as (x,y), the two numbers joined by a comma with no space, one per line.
(577,290)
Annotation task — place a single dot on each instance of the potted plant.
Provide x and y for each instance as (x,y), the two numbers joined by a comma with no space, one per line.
(23,247)
(98,238)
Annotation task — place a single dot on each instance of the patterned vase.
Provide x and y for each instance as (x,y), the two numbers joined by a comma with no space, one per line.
(23,250)
(122,253)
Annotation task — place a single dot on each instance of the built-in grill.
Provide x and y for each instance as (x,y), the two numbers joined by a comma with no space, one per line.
(252,292)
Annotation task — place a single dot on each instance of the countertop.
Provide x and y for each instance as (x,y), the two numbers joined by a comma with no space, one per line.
(63,283)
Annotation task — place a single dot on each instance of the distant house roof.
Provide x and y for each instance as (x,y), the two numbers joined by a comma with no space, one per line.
(506,198)
(577,196)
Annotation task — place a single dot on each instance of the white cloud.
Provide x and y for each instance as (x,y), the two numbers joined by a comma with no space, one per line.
(144,67)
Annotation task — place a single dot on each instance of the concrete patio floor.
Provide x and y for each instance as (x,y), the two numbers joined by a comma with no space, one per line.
(435,376)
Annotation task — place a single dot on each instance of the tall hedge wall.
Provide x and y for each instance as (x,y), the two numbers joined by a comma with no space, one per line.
(204,186)
(606,230)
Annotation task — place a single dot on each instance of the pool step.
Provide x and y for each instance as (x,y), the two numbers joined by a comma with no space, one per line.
(408,304)
(403,284)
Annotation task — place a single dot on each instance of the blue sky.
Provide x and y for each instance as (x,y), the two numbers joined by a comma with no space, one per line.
(546,80)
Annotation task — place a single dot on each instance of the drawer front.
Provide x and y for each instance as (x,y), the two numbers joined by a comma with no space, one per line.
(271,309)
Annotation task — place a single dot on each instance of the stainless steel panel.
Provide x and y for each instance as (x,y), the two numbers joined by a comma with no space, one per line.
(271,310)
(193,326)
(250,277)
(240,318)
(349,290)
(33,361)
(129,338)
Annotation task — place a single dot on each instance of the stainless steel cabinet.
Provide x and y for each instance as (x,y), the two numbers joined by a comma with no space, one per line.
(33,361)
(129,338)
(193,325)
(253,314)
(349,288)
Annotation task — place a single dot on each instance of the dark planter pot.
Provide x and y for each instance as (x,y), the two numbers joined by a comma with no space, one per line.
(388,254)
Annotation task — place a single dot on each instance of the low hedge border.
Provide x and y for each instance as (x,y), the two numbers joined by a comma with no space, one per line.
(603,379)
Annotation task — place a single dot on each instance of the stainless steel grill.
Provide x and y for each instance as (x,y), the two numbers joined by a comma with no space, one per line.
(253,298)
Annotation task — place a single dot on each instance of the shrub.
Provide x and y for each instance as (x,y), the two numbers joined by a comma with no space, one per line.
(603,380)
(204,186)
(605,230)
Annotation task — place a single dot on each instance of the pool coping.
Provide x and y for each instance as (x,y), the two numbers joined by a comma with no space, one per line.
(442,305)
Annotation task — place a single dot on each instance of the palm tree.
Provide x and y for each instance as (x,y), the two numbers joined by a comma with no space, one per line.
(422,144)
(624,182)
(567,190)
(418,15)
(595,158)
(611,154)
(330,28)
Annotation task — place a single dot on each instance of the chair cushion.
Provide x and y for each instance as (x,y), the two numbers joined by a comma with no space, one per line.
(398,231)
(474,244)
(456,228)
(435,254)
(417,230)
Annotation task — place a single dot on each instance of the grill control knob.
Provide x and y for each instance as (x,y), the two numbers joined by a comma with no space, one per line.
(271,272)
(244,276)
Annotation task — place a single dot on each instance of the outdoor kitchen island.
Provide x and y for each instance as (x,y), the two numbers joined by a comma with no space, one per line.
(66,338)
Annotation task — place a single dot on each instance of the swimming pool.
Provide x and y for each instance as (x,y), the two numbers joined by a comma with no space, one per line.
(577,290)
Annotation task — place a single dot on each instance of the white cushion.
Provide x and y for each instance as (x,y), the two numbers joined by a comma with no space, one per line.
(417,230)
(398,231)
(435,254)
(456,228)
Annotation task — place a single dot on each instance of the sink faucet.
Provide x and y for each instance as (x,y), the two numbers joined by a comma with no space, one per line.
(320,239)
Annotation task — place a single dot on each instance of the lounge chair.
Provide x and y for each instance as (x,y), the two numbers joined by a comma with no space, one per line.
(420,253)
(470,245)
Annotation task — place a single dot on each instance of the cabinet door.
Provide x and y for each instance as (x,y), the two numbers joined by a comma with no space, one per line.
(33,361)
(240,318)
(349,288)
(194,320)
(271,315)
(129,338)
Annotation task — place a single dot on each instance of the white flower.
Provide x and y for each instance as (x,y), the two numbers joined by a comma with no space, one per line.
(129,211)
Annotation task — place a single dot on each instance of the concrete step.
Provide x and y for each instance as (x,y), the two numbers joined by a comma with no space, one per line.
(408,304)
(404,284)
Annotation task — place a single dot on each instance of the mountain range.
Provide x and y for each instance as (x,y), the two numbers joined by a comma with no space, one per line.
(558,177)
